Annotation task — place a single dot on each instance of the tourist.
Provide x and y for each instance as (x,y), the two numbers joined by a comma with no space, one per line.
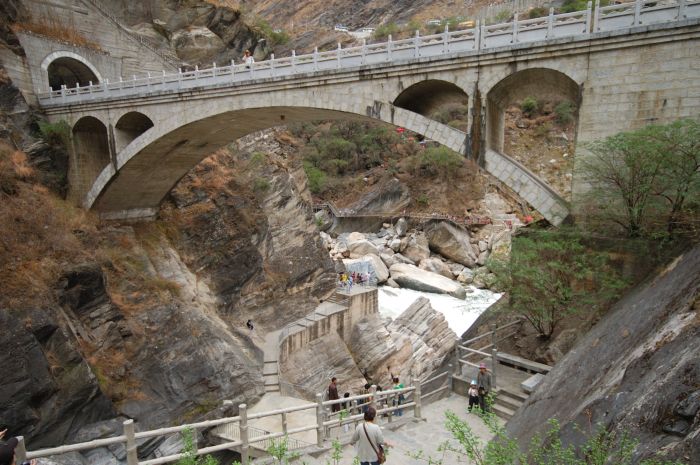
(369,440)
(401,398)
(7,453)
(473,395)
(333,394)
(347,408)
(248,59)
(367,400)
(483,382)
(249,325)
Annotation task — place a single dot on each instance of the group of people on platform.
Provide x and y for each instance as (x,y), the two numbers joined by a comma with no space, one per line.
(346,279)
(479,389)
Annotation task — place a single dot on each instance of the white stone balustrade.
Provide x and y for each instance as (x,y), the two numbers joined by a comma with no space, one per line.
(577,24)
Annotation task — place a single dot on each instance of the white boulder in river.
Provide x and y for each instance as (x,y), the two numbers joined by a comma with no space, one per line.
(412,277)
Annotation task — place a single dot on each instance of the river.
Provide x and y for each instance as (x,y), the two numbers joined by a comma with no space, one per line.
(460,314)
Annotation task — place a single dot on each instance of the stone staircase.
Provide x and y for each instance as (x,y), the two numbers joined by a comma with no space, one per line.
(507,402)
(271,376)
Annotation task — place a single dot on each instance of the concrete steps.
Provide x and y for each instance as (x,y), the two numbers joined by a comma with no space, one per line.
(271,376)
(508,402)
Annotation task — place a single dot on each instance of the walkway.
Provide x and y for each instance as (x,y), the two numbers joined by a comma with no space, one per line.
(416,435)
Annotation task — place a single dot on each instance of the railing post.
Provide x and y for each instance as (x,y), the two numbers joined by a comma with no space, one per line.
(148,81)
(315,58)
(596,16)
(494,328)
(179,78)
(213,69)
(364,50)
(252,66)
(637,12)
(494,362)
(20,450)
(131,453)
(681,10)
(162,78)
(243,426)
(233,69)
(337,54)
(588,17)
(196,73)
(514,40)
(50,93)
(477,35)
(133,78)
(482,36)
(272,64)
(294,61)
(416,44)
(449,378)
(446,39)
(319,420)
(284,423)
(416,409)
(550,23)
(389,45)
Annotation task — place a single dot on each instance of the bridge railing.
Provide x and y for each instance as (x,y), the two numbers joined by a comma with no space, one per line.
(237,434)
(481,37)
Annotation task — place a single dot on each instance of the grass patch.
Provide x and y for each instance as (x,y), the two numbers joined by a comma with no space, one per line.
(54,29)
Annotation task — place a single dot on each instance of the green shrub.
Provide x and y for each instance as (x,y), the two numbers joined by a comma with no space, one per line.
(316,177)
(503,16)
(423,200)
(564,112)
(261,184)
(385,30)
(537,12)
(529,106)
(441,161)
(55,134)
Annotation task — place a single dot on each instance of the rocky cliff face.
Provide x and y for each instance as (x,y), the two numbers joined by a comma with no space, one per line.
(637,370)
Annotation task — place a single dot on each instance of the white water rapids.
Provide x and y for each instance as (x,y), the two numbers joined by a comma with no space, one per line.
(460,314)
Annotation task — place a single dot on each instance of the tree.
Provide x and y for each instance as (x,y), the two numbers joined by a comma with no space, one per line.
(639,177)
(551,275)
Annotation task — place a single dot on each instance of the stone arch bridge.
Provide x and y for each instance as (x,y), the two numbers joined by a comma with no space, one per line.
(624,66)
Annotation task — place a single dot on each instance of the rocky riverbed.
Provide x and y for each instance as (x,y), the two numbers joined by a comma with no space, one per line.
(439,257)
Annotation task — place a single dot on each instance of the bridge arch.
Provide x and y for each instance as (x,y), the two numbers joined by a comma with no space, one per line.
(516,87)
(90,147)
(130,126)
(428,96)
(68,68)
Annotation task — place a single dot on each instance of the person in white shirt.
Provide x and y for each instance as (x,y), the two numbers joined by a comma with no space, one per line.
(368,438)
(248,59)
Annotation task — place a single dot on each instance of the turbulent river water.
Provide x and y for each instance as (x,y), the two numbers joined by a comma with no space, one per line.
(460,314)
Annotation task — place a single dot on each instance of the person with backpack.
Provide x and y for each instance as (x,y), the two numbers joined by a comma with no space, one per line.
(369,440)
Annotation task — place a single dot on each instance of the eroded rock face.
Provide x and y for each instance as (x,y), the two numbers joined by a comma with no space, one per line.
(412,277)
(412,346)
(451,242)
(385,197)
(632,372)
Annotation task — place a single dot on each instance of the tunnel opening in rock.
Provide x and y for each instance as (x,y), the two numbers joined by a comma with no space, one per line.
(69,72)
(532,116)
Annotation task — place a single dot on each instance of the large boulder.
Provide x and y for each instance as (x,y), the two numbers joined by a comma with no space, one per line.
(417,248)
(195,44)
(436,265)
(401,227)
(452,242)
(371,263)
(362,247)
(412,277)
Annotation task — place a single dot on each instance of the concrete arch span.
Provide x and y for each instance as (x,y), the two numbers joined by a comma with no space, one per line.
(130,126)
(90,147)
(426,97)
(537,82)
(148,168)
(69,69)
